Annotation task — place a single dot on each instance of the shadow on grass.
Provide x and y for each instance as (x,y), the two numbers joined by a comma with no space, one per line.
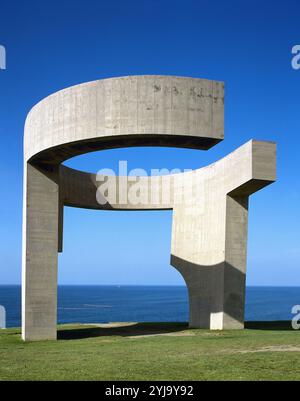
(132,329)
(145,329)
(271,325)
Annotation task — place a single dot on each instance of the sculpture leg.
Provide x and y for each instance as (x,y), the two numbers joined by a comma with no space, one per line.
(205,286)
(236,261)
(212,260)
(39,260)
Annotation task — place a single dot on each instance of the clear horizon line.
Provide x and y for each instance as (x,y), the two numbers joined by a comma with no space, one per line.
(155,285)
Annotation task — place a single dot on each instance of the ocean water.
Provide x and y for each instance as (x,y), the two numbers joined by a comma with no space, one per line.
(101,304)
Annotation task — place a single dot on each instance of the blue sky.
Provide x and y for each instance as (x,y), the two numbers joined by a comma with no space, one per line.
(54,44)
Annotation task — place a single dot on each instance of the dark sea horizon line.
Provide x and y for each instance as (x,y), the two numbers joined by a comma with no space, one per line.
(150,285)
(102,303)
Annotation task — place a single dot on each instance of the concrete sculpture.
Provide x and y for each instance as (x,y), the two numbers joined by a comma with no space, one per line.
(209,233)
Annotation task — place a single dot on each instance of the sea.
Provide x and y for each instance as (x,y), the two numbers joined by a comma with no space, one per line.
(124,303)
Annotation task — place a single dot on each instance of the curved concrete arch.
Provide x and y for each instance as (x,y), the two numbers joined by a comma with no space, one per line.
(78,188)
(210,204)
(122,112)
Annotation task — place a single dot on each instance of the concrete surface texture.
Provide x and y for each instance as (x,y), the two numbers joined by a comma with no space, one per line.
(210,205)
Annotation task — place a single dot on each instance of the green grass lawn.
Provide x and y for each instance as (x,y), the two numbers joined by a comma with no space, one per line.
(152,351)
